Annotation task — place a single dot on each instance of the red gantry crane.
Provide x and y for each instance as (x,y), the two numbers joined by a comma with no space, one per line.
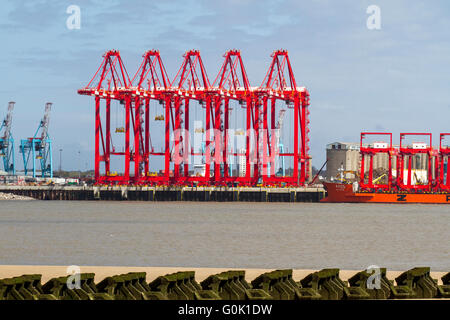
(191,84)
(150,83)
(190,92)
(232,84)
(279,85)
(370,151)
(110,82)
(407,153)
(444,169)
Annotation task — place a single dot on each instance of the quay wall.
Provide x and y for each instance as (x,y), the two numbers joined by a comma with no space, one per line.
(131,193)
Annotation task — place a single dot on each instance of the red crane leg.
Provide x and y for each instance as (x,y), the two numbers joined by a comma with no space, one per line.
(225,140)
(265,142)
(176,170)
(272,126)
(296,149)
(258,157)
(208,140)
(217,138)
(302,151)
(167,141)
(370,182)
(361,176)
(247,134)
(409,169)
(108,136)
(127,141)
(186,138)
(303,154)
(97,138)
(147,136)
(137,144)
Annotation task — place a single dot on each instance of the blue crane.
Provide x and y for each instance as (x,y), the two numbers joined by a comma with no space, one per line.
(39,147)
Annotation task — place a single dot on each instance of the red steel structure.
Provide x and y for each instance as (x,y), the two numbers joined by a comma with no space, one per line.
(191,84)
(279,85)
(370,151)
(232,83)
(110,82)
(437,170)
(150,82)
(191,90)
(444,156)
(407,153)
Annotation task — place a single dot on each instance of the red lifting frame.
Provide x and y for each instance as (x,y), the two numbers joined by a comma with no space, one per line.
(111,81)
(232,83)
(149,83)
(280,84)
(410,152)
(444,152)
(191,83)
(371,152)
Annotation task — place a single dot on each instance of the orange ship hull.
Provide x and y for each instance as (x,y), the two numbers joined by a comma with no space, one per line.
(339,192)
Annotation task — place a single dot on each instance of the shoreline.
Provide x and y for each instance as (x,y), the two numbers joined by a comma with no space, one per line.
(11,196)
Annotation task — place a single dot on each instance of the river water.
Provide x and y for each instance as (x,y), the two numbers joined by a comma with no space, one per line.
(210,234)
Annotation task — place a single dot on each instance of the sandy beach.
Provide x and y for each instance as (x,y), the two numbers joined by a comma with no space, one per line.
(48,272)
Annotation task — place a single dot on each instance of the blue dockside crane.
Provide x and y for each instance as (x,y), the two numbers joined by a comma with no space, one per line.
(7,142)
(39,147)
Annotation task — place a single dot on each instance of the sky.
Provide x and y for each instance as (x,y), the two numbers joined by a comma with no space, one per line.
(395,79)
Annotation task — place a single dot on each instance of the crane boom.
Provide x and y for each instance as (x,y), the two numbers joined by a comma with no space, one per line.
(7,142)
(6,125)
(45,122)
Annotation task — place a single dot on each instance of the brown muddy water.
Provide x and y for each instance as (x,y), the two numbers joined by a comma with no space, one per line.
(235,235)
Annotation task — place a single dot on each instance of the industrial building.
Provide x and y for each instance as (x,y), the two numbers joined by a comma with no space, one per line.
(342,156)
